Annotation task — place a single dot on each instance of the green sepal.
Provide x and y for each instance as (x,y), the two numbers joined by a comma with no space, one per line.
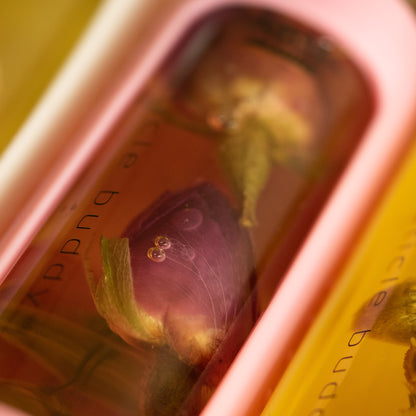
(265,131)
(114,297)
(246,157)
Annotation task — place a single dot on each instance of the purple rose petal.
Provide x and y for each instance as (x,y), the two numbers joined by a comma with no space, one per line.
(191,265)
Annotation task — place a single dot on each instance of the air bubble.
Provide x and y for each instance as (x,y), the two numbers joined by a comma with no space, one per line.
(162,242)
(156,254)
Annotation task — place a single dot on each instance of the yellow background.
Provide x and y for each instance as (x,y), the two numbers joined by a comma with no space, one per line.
(35,38)
(374,383)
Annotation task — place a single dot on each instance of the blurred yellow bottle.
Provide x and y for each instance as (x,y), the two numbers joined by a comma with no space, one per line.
(353,359)
(35,38)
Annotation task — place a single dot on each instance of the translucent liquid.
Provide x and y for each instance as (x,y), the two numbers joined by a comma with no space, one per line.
(138,292)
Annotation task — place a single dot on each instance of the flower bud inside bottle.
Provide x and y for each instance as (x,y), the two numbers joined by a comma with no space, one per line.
(139,291)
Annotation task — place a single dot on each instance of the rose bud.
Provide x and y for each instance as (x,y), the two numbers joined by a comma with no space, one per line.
(179,275)
(264,107)
(392,316)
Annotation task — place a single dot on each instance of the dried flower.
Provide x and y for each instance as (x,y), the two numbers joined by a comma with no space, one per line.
(179,275)
(394,319)
(259,128)
(264,113)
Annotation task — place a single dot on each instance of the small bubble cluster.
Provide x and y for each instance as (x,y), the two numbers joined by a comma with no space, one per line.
(157,253)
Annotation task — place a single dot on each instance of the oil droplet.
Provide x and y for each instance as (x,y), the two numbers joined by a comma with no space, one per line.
(187,219)
(156,254)
(162,242)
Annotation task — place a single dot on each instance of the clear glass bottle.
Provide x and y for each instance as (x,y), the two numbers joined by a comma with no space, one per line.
(139,290)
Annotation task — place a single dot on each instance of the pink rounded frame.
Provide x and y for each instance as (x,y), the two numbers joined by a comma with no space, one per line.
(380,37)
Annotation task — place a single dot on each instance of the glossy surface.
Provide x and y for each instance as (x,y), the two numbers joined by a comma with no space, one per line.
(67,358)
